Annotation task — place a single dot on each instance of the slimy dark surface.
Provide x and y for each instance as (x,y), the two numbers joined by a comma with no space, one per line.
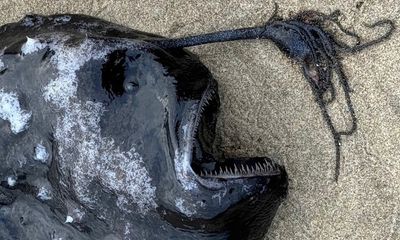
(88,77)
(107,135)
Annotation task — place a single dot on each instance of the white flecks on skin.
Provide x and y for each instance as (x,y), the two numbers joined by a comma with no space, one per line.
(201,203)
(123,204)
(44,194)
(1,64)
(10,110)
(78,214)
(75,210)
(127,231)
(62,19)
(41,153)
(21,161)
(28,21)
(11,181)
(68,60)
(181,206)
(69,219)
(221,194)
(84,153)
(183,156)
(32,45)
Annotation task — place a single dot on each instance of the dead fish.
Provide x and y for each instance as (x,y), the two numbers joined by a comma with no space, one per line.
(108,133)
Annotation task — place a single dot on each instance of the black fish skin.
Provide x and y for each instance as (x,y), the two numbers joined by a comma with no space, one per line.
(149,99)
(128,119)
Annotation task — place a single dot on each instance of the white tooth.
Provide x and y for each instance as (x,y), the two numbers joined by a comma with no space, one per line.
(259,165)
(236,169)
(252,169)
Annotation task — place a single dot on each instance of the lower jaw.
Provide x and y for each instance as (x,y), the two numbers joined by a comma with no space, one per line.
(239,168)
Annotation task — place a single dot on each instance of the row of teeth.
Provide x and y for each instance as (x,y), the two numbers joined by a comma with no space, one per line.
(206,100)
(210,94)
(259,169)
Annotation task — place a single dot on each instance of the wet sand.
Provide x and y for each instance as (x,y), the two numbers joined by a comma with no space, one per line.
(268,108)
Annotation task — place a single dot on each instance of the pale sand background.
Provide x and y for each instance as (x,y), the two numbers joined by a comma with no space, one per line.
(268,108)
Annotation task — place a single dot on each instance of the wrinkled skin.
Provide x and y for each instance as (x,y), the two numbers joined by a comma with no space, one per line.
(127,130)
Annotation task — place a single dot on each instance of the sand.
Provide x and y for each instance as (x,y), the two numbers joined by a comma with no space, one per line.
(268,108)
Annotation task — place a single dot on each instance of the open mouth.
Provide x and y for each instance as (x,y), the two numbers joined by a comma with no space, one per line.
(204,161)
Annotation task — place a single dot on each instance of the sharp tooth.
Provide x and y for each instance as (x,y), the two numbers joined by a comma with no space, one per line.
(274,165)
(258,168)
(236,169)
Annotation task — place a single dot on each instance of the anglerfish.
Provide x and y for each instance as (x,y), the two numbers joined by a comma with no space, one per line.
(108,132)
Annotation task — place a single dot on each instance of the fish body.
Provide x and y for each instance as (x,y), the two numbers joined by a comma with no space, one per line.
(105,134)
